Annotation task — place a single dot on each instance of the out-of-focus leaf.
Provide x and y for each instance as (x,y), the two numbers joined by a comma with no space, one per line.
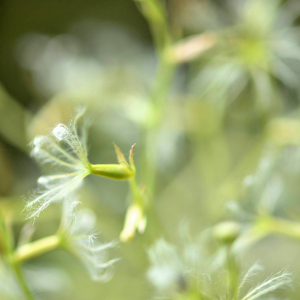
(284,131)
(12,120)
(6,173)
(54,112)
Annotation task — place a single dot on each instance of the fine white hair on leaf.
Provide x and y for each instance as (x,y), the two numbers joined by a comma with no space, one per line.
(172,275)
(39,141)
(166,266)
(252,271)
(271,284)
(43,197)
(66,152)
(83,241)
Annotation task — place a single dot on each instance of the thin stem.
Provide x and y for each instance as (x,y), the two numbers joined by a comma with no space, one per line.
(36,248)
(279,226)
(27,252)
(232,271)
(155,13)
(158,97)
(4,237)
(150,146)
(22,281)
(8,250)
(136,194)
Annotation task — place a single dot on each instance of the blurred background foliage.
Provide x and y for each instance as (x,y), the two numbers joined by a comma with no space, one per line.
(228,144)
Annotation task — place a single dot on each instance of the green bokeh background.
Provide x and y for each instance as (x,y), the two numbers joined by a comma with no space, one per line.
(198,151)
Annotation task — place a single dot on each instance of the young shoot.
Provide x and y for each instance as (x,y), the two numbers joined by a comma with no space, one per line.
(66,152)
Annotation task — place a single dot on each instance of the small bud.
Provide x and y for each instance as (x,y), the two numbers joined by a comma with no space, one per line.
(226,232)
(135,220)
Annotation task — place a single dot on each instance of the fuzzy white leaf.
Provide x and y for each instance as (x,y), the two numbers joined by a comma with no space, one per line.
(67,154)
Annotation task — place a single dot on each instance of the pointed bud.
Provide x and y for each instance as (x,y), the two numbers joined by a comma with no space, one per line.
(131,161)
(120,156)
(121,171)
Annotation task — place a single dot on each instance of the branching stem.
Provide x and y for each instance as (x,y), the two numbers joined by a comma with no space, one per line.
(15,265)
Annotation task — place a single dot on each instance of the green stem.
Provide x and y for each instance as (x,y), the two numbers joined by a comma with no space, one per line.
(5,241)
(159,94)
(232,271)
(7,244)
(22,281)
(27,252)
(136,194)
(36,248)
(155,13)
(279,226)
